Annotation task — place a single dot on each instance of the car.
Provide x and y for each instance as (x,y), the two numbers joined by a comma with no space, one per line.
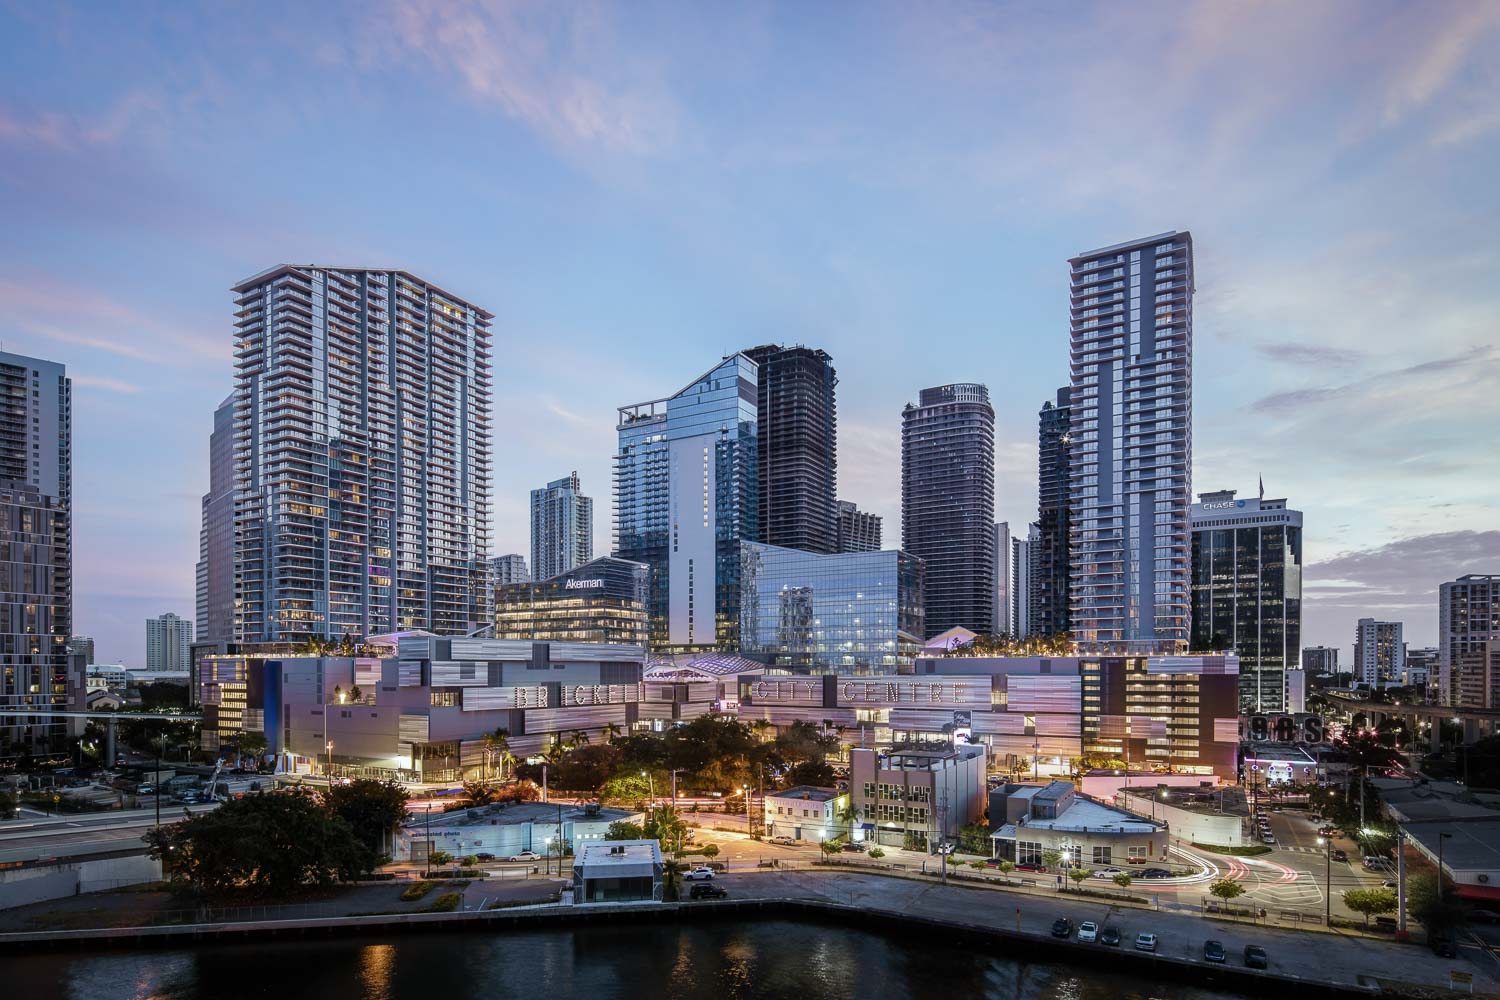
(1484,917)
(707,890)
(784,841)
(1145,941)
(526,856)
(701,872)
(1268,839)
(1062,927)
(1389,883)
(1110,936)
(1155,873)
(1088,931)
(483,856)
(854,848)
(1340,855)
(1031,868)
(1256,957)
(145,790)
(1213,951)
(1444,944)
(1109,872)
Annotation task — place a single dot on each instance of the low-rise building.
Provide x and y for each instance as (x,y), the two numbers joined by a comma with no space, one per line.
(1216,815)
(1469,849)
(618,871)
(1027,821)
(603,600)
(507,829)
(806,812)
(914,797)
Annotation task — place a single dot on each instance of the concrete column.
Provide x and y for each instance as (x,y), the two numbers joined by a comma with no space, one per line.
(1471,730)
(1436,739)
(109,743)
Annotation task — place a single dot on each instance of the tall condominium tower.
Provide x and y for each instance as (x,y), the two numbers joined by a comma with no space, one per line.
(1468,630)
(1004,621)
(1131,437)
(797,447)
(169,641)
(562,527)
(508,569)
(858,530)
(362,455)
(36,549)
(1379,653)
(948,503)
(1023,580)
(686,496)
(215,605)
(1051,561)
(1247,591)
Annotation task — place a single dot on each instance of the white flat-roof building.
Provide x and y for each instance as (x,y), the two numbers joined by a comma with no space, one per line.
(1030,820)
(618,871)
(809,813)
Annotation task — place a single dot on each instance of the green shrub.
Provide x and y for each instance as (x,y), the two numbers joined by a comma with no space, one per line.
(417,890)
(445,903)
(876,852)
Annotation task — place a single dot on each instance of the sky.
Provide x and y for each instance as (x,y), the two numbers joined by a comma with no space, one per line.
(637,189)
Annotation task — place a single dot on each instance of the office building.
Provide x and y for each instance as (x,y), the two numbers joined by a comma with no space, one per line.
(562,527)
(215,569)
(840,613)
(81,645)
(1468,622)
(1005,623)
(1294,698)
(917,798)
(1131,441)
(362,455)
(604,600)
(36,551)
(1023,579)
(505,570)
(1321,660)
(858,530)
(1050,610)
(168,639)
(948,503)
(1247,591)
(806,812)
(1422,669)
(796,448)
(1379,653)
(686,496)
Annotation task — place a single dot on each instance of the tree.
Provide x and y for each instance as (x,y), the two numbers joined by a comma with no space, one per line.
(974,838)
(440,858)
(1051,859)
(496,746)
(478,793)
(355,694)
(671,878)
(1078,874)
(1424,903)
(1006,867)
(876,852)
(1226,889)
(1122,880)
(7,805)
(373,810)
(829,848)
(264,843)
(1370,902)
(818,773)
(625,788)
(253,744)
(710,851)
(611,731)
(664,824)
(587,768)
(624,830)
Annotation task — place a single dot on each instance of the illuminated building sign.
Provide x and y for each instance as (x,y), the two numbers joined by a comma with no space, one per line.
(954,691)
(583,584)
(599,694)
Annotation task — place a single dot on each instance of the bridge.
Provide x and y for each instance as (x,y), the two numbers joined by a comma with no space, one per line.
(110,719)
(1476,722)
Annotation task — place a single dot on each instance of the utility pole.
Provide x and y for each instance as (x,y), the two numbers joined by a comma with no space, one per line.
(544,782)
(1400,881)
(943,830)
(428,868)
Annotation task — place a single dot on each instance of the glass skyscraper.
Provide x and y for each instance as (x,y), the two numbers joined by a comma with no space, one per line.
(1131,439)
(215,570)
(686,496)
(1247,591)
(797,447)
(562,527)
(1050,561)
(844,613)
(362,455)
(948,503)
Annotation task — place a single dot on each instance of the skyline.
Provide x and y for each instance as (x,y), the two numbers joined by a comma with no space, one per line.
(902,192)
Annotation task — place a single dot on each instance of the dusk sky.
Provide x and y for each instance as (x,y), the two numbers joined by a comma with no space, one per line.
(635,190)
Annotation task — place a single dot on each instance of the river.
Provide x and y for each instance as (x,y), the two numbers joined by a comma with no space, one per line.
(712,961)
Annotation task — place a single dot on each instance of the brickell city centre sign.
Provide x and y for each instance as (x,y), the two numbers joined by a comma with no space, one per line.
(928,691)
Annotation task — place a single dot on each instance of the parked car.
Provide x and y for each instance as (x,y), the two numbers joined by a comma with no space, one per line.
(1389,883)
(1109,872)
(1213,951)
(1484,917)
(853,847)
(784,841)
(1031,868)
(1088,931)
(1062,927)
(484,856)
(701,872)
(1256,957)
(707,890)
(1155,873)
(1145,942)
(1444,944)
(1340,855)
(1110,936)
(526,856)
(1268,839)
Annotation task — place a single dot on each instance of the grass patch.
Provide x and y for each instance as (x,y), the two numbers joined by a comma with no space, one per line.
(446,903)
(1255,850)
(417,891)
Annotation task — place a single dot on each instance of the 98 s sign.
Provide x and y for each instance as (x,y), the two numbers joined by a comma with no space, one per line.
(1284,729)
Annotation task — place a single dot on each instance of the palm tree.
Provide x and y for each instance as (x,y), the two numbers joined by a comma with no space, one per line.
(671,878)
(611,730)
(497,744)
(580,738)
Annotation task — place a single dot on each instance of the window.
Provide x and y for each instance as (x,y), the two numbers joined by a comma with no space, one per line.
(1028,852)
(1101,855)
(1138,853)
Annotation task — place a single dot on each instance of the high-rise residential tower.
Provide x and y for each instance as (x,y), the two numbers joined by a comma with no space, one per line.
(362,455)
(948,503)
(1050,612)
(215,604)
(168,643)
(1131,440)
(858,530)
(1379,653)
(1005,623)
(562,527)
(1023,580)
(1468,628)
(686,497)
(797,447)
(1247,591)
(508,569)
(36,549)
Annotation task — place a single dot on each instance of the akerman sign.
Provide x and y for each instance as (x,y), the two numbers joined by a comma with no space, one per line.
(583,584)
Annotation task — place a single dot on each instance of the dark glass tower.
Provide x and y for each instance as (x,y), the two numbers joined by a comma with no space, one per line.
(1247,591)
(948,503)
(798,455)
(1050,562)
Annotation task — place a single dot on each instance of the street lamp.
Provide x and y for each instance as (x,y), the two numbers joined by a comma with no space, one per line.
(1327,843)
(329,747)
(745,790)
(651,782)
